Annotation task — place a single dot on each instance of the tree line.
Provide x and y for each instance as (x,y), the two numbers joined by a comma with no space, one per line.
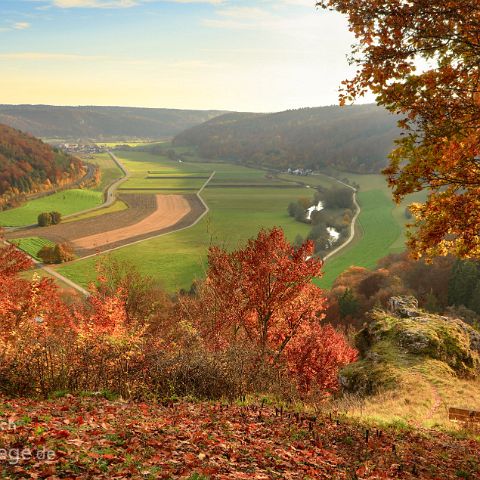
(354,139)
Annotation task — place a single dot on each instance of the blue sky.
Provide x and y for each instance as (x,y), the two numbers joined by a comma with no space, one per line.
(266,55)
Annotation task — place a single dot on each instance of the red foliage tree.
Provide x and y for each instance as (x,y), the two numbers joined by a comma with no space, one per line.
(262,296)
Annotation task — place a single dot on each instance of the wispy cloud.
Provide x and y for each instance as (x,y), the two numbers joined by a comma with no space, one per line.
(47,56)
(121,3)
(21,25)
(95,3)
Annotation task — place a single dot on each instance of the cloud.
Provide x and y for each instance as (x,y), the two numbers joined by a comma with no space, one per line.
(120,3)
(47,56)
(21,25)
(95,3)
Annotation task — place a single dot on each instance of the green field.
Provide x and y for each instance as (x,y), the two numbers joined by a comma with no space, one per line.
(110,170)
(32,245)
(236,214)
(381,227)
(379,231)
(66,202)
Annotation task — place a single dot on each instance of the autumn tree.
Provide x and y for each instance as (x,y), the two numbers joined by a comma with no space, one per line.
(262,297)
(421,59)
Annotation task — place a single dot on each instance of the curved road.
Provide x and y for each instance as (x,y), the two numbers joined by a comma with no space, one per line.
(352,224)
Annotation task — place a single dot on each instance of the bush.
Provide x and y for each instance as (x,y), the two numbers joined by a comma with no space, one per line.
(56,217)
(44,219)
(59,253)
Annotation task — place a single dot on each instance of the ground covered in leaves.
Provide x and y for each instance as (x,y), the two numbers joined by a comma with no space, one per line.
(93,438)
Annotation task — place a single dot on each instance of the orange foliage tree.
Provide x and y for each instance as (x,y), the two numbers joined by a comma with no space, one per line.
(262,296)
(421,59)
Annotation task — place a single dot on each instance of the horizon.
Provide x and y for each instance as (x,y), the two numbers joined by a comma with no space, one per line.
(181,109)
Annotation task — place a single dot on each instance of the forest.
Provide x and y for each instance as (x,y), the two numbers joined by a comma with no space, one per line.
(101,123)
(354,138)
(27,165)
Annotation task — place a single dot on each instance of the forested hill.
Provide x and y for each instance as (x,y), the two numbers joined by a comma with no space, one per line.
(101,123)
(353,138)
(28,165)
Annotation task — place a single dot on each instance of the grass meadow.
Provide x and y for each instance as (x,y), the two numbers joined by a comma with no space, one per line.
(241,200)
(66,202)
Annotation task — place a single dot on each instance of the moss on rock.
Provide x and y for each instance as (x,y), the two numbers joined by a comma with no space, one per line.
(392,342)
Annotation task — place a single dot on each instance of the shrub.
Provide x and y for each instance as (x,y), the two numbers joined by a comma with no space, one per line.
(58,253)
(56,217)
(44,219)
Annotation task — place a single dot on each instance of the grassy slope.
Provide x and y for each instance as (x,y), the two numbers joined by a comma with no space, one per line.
(381,227)
(420,386)
(67,202)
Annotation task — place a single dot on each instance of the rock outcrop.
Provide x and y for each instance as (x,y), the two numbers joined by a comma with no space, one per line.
(406,336)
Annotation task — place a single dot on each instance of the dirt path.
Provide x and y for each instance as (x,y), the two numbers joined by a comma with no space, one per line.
(170,210)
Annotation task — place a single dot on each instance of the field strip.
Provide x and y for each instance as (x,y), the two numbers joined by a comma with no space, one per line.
(352,224)
(206,210)
(170,209)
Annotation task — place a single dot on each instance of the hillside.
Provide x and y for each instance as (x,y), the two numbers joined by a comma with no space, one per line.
(27,165)
(101,123)
(413,366)
(354,138)
(89,437)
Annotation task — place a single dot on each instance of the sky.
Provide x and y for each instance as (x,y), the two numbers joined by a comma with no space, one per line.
(263,55)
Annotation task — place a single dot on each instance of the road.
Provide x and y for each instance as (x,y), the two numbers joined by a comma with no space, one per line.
(352,224)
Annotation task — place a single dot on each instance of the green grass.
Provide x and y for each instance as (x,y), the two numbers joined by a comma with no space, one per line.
(32,245)
(66,202)
(379,231)
(110,170)
(178,258)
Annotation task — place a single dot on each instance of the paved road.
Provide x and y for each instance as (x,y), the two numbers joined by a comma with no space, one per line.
(352,225)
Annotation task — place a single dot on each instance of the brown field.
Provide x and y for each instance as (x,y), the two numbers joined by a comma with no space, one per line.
(147,216)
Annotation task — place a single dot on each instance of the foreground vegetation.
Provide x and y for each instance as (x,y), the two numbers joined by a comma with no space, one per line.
(91,437)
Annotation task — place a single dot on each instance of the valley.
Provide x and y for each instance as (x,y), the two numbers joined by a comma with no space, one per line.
(168,247)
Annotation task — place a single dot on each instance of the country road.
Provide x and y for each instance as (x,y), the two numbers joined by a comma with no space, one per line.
(352,224)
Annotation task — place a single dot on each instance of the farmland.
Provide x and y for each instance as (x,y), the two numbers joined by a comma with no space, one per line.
(32,245)
(66,202)
(236,213)
(241,200)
